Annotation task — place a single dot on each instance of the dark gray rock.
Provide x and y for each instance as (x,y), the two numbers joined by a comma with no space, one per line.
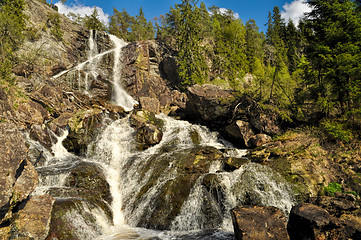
(240,132)
(210,104)
(308,221)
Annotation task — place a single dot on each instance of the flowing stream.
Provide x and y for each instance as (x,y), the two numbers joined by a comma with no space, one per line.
(125,169)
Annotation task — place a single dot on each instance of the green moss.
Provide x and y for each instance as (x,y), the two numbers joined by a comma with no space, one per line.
(332,188)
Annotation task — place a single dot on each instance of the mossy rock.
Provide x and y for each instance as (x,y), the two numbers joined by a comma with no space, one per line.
(83,194)
(259,156)
(84,126)
(141,118)
(148,128)
(232,163)
(89,176)
(72,219)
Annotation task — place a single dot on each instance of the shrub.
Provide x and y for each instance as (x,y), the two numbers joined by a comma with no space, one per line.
(337,131)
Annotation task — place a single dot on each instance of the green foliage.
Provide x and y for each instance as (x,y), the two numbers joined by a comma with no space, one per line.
(54,23)
(192,67)
(92,22)
(334,49)
(142,29)
(131,28)
(337,131)
(332,188)
(12,25)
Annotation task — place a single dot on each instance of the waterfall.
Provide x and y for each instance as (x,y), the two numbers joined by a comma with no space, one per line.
(120,96)
(136,179)
(90,68)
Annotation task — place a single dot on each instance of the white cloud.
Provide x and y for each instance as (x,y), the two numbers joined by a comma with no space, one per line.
(295,10)
(82,11)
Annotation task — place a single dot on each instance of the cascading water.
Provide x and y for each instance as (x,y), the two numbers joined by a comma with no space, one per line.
(120,96)
(135,182)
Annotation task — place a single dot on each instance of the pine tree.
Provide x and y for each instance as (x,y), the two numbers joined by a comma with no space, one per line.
(12,25)
(93,22)
(334,50)
(192,65)
(142,29)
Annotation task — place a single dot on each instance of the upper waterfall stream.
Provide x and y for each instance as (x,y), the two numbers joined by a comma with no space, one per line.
(137,178)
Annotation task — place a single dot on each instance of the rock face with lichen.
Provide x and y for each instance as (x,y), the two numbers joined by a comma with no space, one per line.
(256,222)
(146,78)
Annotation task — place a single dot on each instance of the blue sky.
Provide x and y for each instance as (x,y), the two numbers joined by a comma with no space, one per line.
(245,9)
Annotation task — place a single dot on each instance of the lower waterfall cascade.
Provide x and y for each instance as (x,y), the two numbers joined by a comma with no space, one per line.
(115,152)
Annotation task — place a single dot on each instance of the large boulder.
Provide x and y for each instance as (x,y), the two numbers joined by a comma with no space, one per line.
(18,176)
(258,140)
(74,218)
(33,220)
(258,223)
(210,104)
(148,128)
(89,176)
(262,120)
(84,126)
(240,132)
(308,221)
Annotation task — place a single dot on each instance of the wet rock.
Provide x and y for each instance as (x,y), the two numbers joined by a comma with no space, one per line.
(73,218)
(60,122)
(33,220)
(231,163)
(89,176)
(254,222)
(84,194)
(240,132)
(84,125)
(149,135)
(189,165)
(258,140)
(101,88)
(213,184)
(43,136)
(148,128)
(210,104)
(308,221)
